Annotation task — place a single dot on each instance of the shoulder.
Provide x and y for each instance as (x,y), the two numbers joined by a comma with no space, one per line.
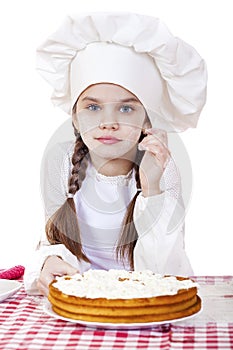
(60,149)
(57,159)
(58,153)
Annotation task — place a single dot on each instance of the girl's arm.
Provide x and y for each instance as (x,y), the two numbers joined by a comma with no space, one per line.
(39,271)
(159,221)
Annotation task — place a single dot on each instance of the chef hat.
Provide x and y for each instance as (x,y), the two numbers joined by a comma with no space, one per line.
(134,51)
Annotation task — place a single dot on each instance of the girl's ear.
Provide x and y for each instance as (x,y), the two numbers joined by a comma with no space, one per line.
(75,124)
(75,120)
(76,131)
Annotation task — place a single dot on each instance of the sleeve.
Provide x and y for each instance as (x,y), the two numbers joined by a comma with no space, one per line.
(159,221)
(55,171)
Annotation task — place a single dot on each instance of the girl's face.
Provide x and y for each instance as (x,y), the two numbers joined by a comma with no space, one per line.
(110,120)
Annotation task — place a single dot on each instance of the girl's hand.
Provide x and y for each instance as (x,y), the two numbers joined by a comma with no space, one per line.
(154,160)
(53,266)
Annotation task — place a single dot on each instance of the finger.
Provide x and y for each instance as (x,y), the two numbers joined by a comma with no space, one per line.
(66,269)
(166,162)
(55,266)
(160,156)
(154,160)
(43,289)
(159,134)
(46,278)
(155,131)
(151,139)
(156,149)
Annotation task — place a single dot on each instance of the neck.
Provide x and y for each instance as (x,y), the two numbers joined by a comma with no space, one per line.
(112,167)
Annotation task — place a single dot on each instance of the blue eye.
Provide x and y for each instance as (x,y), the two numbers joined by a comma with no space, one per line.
(126,109)
(93,107)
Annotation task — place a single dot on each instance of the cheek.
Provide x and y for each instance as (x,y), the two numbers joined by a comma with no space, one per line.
(132,134)
(133,128)
(87,123)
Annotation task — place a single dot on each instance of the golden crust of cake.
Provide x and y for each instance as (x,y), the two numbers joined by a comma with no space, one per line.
(117,318)
(181,296)
(183,303)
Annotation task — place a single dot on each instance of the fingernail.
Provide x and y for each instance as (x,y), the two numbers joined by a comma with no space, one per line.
(141,147)
(150,131)
(166,163)
(146,131)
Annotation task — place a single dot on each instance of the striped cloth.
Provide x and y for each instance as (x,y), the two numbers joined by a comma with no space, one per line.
(24,325)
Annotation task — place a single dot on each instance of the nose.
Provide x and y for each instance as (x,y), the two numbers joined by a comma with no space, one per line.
(108,120)
(108,125)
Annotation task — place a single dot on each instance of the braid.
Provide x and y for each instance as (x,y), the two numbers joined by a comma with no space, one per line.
(129,236)
(63,226)
(78,172)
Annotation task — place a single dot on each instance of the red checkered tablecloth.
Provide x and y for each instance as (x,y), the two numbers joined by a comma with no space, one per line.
(24,325)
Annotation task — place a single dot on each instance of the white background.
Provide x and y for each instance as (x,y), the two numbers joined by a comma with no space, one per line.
(28,120)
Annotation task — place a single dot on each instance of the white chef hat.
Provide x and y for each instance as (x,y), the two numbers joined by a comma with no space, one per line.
(134,51)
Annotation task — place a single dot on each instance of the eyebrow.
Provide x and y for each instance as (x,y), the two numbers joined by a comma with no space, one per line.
(124,100)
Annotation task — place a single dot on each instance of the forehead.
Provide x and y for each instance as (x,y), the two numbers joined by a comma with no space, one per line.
(108,92)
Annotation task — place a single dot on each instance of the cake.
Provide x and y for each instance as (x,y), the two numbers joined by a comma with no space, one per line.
(119,296)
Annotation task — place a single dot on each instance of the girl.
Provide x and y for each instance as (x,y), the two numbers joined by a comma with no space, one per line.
(113,200)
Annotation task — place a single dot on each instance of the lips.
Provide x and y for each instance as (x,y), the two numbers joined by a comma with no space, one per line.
(108,140)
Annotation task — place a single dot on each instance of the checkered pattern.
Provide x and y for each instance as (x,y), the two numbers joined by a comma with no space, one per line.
(25,326)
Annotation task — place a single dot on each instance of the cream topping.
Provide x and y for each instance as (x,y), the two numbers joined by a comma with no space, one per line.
(120,284)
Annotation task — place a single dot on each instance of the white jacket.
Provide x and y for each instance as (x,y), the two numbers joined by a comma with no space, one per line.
(101,204)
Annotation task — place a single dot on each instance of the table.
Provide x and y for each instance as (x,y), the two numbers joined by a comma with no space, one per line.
(24,325)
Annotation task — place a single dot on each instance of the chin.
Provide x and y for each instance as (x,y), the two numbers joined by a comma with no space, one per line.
(126,150)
